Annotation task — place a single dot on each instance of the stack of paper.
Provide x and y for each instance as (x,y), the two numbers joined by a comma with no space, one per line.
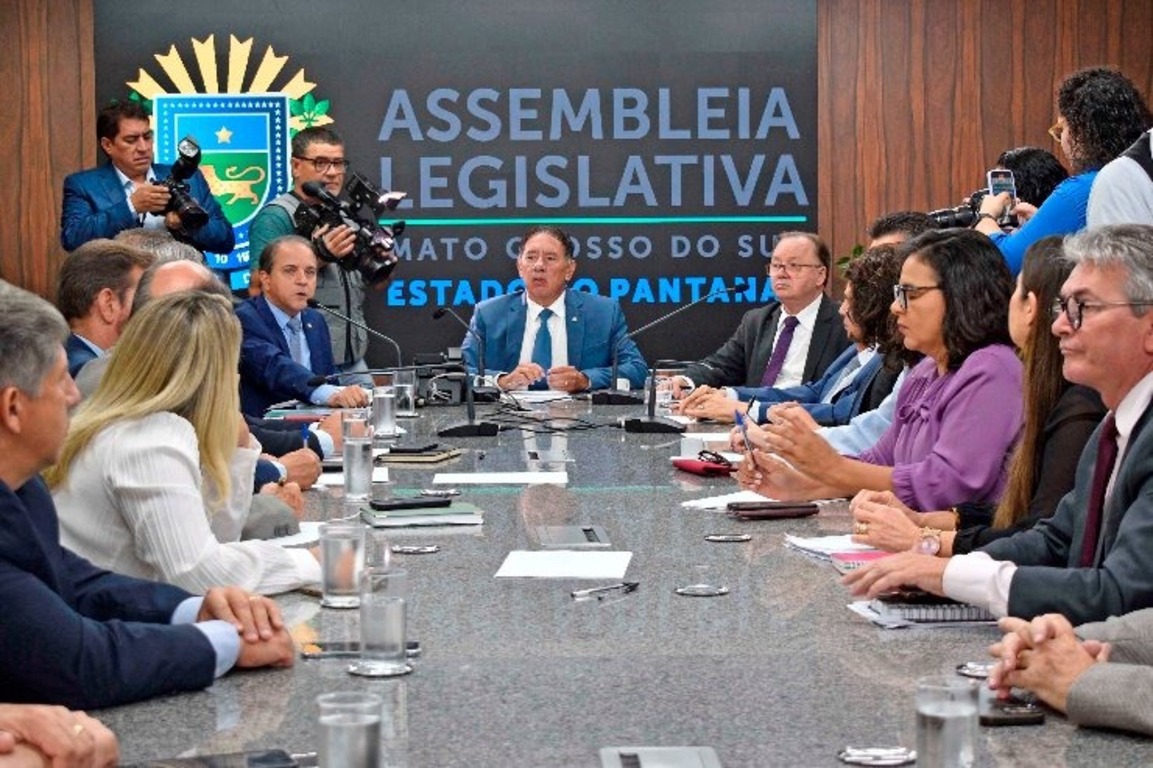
(564,564)
(823,547)
(500,478)
(722,502)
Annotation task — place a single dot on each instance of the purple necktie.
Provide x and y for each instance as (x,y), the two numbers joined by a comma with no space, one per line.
(1102,471)
(777,359)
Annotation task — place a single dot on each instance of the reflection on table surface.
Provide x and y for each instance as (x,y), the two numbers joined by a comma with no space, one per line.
(515,672)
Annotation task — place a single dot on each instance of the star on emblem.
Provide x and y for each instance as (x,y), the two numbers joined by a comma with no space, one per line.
(224,136)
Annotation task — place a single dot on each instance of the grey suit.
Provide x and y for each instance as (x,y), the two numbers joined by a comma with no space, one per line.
(741,361)
(1048,579)
(1118,694)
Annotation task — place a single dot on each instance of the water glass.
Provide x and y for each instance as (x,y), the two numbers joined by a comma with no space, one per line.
(383,609)
(946,721)
(357,432)
(349,729)
(405,383)
(341,561)
(384,410)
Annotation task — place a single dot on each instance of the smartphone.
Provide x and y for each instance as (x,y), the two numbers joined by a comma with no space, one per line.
(339,649)
(1011,711)
(421,502)
(413,448)
(1001,180)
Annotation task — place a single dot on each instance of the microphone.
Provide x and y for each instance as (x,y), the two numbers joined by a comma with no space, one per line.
(615,397)
(317,305)
(485,394)
(651,424)
(472,427)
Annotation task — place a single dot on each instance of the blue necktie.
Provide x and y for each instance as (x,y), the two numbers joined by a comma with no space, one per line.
(296,340)
(542,348)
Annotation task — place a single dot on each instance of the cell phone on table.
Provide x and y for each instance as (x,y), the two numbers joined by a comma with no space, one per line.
(339,649)
(413,448)
(419,502)
(1011,711)
(1001,180)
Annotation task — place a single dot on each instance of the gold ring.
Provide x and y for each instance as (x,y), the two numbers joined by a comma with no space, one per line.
(253,598)
(861,528)
(77,729)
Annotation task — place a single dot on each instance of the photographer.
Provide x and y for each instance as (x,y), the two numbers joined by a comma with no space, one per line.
(130,191)
(1099,114)
(318,156)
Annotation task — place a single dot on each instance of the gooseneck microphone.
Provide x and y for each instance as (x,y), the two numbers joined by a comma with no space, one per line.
(472,427)
(614,396)
(483,393)
(317,305)
(651,423)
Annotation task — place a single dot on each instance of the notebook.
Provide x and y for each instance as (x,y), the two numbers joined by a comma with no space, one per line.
(917,607)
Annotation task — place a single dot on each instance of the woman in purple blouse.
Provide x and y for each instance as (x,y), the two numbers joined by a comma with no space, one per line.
(959,412)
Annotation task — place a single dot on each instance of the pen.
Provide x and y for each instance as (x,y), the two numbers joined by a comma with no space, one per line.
(743,424)
(623,587)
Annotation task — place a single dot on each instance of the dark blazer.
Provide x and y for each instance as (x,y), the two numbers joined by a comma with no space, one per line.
(78,353)
(76,635)
(268,373)
(742,359)
(595,326)
(1048,579)
(95,206)
(863,393)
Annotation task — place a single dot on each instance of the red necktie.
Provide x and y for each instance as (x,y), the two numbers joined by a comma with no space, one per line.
(1102,471)
(777,359)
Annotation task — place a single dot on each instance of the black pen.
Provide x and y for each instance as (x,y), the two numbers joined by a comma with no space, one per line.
(623,587)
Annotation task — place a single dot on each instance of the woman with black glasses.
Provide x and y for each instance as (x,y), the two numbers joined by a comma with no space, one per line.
(959,412)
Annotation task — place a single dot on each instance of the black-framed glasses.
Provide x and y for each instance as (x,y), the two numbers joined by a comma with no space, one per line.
(791,269)
(902,292)
(322,164)
(1074,309)
(714,458)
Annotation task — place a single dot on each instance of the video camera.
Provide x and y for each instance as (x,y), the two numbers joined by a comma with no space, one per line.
(192,216)
(372,255)
(965,215)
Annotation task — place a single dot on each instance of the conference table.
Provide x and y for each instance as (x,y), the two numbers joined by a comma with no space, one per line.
(515,672)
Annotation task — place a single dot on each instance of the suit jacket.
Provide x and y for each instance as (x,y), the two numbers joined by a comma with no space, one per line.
(862,393)
(95,206)
(268,373)
(78,352)
(1118,694)
(1048,579)
(595,326)
(742,359)
(76,635)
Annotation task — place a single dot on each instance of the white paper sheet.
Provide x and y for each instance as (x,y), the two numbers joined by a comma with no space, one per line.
(500,478)
(823,546)
(564,564)
(721,502)
(412,521)
(708,437)
(540,395)
(336,479)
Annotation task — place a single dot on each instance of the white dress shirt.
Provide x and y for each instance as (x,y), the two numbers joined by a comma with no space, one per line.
(979,579)
(793,371)
(132,503)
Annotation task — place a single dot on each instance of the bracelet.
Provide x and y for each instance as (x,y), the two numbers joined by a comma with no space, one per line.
(980,216)
(956,518)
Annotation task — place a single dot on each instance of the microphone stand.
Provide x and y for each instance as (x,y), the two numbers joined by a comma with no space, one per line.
(472,427)
(313,303)
(483,393)
(652,424)
(614,396)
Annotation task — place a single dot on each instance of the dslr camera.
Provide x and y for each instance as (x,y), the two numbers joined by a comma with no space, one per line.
(372,255)
(965,214)
(192,216)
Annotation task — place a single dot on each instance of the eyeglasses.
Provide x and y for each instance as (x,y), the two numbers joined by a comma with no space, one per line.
(1074,309)
(714,458)
(791,269)
(902,293)
(1057,130)
(322,164)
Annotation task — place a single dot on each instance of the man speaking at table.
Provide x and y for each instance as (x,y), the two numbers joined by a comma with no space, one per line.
(550,337)
(71,633)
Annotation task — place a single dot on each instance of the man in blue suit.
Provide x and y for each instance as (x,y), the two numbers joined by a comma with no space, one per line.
(286,344)
(548,336)
(125,193)
(71,633)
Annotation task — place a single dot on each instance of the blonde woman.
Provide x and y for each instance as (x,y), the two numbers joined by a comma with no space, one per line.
(156,473)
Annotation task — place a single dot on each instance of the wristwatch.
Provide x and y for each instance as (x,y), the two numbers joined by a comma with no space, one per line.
(988,216)
(929,543)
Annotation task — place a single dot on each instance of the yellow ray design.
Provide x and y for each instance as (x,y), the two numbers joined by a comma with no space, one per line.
(267,71)
(173,66)
(206,61)
(238,53)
